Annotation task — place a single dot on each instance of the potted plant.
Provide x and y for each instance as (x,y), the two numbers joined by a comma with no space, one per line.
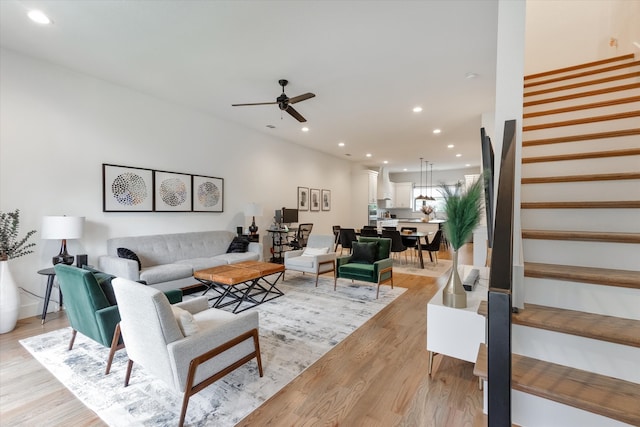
(10,247)
(464,210)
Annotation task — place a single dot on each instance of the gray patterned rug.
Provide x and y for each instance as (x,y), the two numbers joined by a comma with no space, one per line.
(295,331)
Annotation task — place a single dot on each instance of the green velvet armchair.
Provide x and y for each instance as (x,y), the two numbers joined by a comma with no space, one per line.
(90,305)
(368,262)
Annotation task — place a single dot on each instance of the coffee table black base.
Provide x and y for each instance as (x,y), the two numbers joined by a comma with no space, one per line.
(246,294)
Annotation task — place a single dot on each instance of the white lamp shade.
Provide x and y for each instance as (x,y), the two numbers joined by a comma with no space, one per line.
(62,227)
(253,209)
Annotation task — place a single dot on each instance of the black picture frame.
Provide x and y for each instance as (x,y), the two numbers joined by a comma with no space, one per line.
(127,189)
(208,193)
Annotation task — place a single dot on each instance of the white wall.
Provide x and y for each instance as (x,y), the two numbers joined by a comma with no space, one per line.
(57,127)
(565,33)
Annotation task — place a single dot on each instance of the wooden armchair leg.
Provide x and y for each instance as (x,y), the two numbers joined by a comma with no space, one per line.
(128,374)
(114,347)
(73,338)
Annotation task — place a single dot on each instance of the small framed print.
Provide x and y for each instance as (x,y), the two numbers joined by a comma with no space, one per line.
(208,194)
(172,191)
(126,189)
(303,199)
(326,200)
(314,204)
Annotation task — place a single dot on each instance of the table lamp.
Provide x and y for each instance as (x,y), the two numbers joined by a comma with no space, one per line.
(62,227)
(253,210)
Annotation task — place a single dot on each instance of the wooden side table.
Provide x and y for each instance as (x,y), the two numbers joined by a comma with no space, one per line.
(51,275)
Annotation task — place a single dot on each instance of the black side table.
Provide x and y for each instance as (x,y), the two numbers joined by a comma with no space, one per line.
(51,275)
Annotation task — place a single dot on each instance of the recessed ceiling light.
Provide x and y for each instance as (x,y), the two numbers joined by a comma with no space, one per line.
(305,129)
(417,109)
(39,17)
(458,155)
(368,154)
(467,165)
(404,170)
(436,131)
(386,162)
(450,146)
(340,144)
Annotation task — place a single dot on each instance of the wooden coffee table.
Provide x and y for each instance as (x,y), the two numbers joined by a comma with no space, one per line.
(243,284)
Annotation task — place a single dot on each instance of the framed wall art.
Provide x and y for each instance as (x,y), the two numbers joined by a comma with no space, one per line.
(208,194)
(172,192)
(303,199)
(126,189)
(326,200)
(315,200)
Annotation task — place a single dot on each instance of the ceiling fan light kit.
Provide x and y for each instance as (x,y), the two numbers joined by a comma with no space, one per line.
(284,102)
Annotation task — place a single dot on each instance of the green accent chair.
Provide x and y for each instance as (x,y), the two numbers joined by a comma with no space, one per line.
(90,305)
(376,267)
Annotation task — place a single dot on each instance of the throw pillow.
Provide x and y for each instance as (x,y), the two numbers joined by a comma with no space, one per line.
(186,322)
(238,244)
(315,251)
(129,254)
(364,252)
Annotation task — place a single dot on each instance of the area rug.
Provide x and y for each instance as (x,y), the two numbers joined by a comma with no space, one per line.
(431,269)
(295,331)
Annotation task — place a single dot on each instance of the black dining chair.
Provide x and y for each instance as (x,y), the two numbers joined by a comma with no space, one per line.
(369,232)
(347,237)
(396,242)
(434,245)
(390,228)
(410,242)
(336,233)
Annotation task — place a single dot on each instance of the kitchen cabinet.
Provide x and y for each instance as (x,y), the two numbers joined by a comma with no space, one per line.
(363,194)
(373,186)
(403,195)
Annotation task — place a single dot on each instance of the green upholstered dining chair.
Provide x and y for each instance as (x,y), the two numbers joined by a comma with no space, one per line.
(369,262)
(90,305)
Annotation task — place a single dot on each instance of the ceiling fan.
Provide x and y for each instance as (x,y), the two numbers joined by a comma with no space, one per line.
(284,102)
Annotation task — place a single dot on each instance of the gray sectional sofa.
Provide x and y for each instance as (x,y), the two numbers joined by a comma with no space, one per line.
(169,260)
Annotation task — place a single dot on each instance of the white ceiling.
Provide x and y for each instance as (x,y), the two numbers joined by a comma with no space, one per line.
(368,62)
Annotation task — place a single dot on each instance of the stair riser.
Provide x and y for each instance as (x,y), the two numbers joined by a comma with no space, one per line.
(581,100)
(631,141)
(580,114)
(533,411)
(614,220)
(574,80)
(614,360)
(624,256)
(581,191)
(569,91)
(605,300)
(582,166)
(586,128)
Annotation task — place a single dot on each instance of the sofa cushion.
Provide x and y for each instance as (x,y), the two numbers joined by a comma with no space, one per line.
(238,257)
(301,261)
(165,272)
(129,254)
(314,251)
(203,263)
(358,271)
(364,252)
(186,322)
(238,244)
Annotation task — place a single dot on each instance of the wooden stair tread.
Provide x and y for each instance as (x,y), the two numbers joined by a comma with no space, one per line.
(588,204)
(582,178)
(592,275)
(584,236)
(585,94)
(582,137)
(607,103)
(626,57)
(625,76)
(599,394)
(583,155)
(584,120)
(582,74)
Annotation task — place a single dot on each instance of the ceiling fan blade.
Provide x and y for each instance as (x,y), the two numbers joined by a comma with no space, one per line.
(301,97)
(255,103)
(295,114)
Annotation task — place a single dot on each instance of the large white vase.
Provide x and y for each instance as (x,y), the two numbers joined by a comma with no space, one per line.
(9,299)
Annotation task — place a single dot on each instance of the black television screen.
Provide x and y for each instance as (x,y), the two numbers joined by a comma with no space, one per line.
(289,215)
(487,167)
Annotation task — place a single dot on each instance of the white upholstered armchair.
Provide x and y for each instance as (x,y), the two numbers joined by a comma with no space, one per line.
(316,258)
(188,346)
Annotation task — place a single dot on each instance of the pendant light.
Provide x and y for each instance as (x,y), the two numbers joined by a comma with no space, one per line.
(421,197)
(431,190)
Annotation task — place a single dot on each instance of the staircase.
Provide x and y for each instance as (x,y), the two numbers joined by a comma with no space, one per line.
(576,344)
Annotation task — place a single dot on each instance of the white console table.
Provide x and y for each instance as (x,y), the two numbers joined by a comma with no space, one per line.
(457,332)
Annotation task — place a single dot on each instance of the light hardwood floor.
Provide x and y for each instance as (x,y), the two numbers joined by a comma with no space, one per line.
(375,377)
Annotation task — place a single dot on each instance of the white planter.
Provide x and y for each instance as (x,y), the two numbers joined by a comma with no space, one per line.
(9,299)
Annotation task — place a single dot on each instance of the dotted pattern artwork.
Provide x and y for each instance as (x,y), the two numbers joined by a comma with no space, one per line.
(173,192)
(129,189)
(208,194)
